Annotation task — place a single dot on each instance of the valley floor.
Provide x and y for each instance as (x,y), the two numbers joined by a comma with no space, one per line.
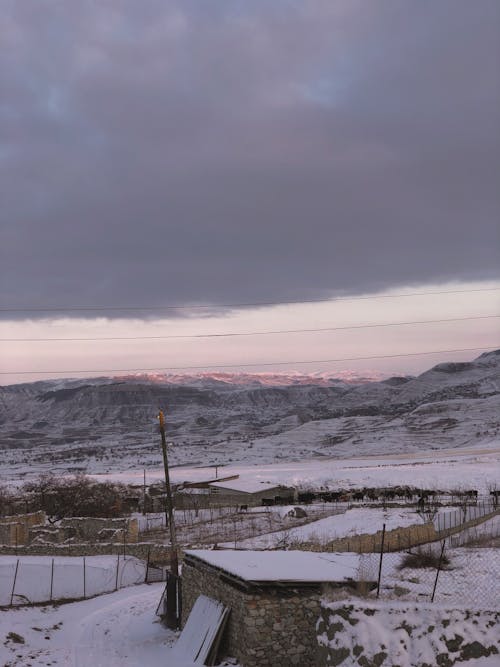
(467,468)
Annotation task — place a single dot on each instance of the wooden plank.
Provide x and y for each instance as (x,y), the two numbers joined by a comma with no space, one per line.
(212,656)
(202,632)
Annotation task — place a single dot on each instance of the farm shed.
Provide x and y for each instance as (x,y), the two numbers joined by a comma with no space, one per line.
(252,492)
(274,598)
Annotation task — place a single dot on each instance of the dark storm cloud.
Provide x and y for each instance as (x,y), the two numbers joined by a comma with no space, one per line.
(192,152)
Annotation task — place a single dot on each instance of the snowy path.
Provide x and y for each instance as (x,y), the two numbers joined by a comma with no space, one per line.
(114,630)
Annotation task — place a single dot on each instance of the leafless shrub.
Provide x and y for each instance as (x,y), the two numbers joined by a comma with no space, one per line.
(422,558)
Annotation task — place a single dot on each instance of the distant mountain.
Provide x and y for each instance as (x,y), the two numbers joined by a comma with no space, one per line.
(222,380)
(106,422)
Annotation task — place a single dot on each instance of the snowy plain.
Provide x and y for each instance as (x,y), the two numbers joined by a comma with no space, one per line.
(469,468)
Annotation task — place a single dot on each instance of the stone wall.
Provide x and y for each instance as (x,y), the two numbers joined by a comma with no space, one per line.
(159,554)
(22,529)
(266,627)
(89,528)
(15,529)
(86,529)
(13,533)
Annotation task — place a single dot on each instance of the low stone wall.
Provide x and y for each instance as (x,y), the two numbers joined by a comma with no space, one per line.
(13,533)
(86,529)
(367,634)
(15,529)
(89,528)
(158,553)
(266,628)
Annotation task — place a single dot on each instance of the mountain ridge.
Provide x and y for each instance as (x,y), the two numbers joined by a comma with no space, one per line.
(75,417)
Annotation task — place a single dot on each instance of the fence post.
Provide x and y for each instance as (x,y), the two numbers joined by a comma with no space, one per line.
(147,565)
(124,542)
(84,581)
(51,579)
(117,568)
(380,563)
(14,583)
(438,570)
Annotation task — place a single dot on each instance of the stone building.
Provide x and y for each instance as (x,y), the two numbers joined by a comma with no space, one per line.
(273,596)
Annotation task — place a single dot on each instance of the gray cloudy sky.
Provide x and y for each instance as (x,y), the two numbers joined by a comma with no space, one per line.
(191,152)
(179,152)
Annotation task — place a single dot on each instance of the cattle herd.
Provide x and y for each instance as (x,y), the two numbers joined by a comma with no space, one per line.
(403,494)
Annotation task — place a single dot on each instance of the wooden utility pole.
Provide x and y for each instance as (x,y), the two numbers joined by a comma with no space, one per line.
(171,597)
(169,509)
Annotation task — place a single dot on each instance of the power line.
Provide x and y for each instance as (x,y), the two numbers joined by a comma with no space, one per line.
(31,309)
(248,365)
(253,333)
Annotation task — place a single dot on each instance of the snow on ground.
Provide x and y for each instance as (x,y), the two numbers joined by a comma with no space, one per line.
(407,634)
(33,579)
(356,521)
(471,468)
(488,531)
(470,579)
(114,630)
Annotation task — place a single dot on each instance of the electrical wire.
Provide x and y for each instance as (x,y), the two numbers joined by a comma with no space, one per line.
(33,309)
(253,364)
(252,333)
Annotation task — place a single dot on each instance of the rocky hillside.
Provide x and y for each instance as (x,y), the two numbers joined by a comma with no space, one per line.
(452,404)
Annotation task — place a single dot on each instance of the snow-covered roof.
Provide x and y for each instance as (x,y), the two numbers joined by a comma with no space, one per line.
(245,485)
(283,566)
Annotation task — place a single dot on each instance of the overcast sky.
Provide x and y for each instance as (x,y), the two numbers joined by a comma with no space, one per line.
(179,153)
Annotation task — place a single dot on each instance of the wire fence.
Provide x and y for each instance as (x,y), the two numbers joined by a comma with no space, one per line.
(39,579)
(466,511)
(460,570)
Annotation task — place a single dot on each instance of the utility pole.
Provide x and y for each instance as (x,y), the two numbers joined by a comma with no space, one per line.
(171,597)
(169,509)
(144,494)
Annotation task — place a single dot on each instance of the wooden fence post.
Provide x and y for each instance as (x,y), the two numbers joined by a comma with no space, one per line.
(51,579)
(380,563)
(438,570)
(117,568)
(14,583)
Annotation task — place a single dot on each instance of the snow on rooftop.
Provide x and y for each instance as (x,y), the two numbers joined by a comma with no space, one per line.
(245,485)
(290,566)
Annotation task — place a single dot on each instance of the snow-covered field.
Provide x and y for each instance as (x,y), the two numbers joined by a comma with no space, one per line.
(71,577)
(471,468)
(356,521)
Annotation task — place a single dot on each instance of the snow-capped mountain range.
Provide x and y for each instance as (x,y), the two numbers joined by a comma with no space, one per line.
(98,423)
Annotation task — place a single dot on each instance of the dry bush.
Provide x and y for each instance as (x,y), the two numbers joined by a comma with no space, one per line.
(423,558)
(74,496)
